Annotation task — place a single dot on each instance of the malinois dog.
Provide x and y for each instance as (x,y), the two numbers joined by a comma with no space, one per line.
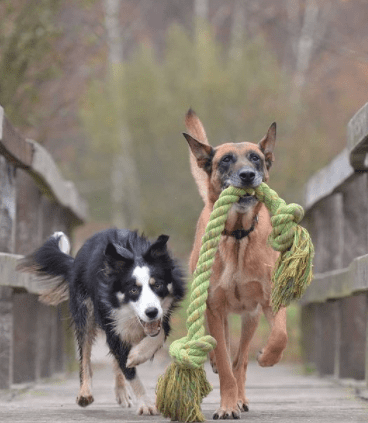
(241,274)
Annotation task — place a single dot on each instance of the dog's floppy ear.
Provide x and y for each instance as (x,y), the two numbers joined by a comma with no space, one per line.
(267,145)
(158,248)
(202,152)
(115,253)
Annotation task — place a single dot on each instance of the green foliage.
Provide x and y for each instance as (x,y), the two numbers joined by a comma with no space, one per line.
(236,99)
(26,59)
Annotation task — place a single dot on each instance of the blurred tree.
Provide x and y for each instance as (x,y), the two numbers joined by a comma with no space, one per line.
(124,182)
(236,99)
(27,31)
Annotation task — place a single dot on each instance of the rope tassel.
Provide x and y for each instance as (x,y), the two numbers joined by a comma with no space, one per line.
(182,388)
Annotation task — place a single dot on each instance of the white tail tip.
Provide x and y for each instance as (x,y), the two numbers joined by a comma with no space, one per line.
(64,243)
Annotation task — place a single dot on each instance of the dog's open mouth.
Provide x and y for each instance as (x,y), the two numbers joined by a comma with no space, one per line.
(151,329)
(246,199)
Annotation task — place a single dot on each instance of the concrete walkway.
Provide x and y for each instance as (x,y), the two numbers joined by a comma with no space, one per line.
(278,394)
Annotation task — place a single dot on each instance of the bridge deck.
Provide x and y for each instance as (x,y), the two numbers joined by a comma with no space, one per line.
(279,394)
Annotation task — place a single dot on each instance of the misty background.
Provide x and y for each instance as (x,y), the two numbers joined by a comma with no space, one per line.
(104,85)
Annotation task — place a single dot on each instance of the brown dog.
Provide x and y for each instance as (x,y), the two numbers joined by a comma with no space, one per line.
(241,275)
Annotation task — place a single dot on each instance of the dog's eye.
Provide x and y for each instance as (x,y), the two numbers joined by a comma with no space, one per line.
(254,158)
(226,159)
(157,285)
(134,291)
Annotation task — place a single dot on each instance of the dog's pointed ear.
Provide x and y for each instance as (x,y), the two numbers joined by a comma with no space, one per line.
(158,248)
(202,152)
(195,126)
(267,145)
(115,253)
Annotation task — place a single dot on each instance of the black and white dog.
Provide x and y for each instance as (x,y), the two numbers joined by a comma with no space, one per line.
(119,282)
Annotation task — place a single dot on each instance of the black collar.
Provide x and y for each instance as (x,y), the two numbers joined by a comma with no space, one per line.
(239,234)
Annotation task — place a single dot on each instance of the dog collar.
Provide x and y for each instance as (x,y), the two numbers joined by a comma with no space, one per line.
(239,234)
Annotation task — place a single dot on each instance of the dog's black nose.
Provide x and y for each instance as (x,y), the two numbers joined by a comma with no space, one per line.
(151,312)
(247,176)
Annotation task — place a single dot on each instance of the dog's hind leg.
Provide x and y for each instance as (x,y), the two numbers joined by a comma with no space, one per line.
(85,337)
(249,325)
(276,343)
(122,394)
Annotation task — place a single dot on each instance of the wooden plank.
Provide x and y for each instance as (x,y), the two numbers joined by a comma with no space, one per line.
(29,218)
(7,206)
(326,227)
(48,177)
(352,342)
(327,180)
(338,283)
(366,342)
(278,394)
(309,334)
(357,139)
(326,334)
(12,145)
(6,337)
(35,159)
(355,210)
(11,278)
(25,338)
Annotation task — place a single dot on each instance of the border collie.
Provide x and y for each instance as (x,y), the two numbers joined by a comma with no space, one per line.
(119,282)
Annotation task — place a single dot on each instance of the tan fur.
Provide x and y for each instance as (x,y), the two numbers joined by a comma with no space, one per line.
(85,396)
(54,290)
(241,274)
(196,129)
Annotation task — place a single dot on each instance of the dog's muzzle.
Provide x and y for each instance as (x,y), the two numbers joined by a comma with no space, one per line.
(151,328)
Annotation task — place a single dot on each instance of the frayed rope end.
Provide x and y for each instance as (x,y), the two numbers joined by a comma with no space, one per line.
(293,270)
(180,391)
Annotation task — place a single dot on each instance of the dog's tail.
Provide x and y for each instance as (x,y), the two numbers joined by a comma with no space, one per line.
(196,130)
(51,264)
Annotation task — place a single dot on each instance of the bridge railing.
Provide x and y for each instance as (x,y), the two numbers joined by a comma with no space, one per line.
(335,306)
(35,340)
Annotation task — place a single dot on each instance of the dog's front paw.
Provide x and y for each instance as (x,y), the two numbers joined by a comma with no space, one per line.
(136,357)
(84,401)
(243,405)
(146,408)
(227,413)
(122,396)
(267,358)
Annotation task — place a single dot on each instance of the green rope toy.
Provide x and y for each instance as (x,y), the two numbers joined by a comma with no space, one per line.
(181,390)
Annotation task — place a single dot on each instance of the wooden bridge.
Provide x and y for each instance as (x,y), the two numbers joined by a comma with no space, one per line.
(35,201)
(36,342)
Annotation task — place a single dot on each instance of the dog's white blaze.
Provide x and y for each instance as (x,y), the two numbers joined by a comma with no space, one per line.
(147,297)
(120,296)
(64,244)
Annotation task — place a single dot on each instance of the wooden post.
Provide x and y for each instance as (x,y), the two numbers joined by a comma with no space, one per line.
(355,207)
(7,206)
(309,334)
(7,244)
(366,340)
(352,341)
(326,226)
(326,333)
(6,337)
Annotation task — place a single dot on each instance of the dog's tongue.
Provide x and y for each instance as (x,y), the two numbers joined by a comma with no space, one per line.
(152,328)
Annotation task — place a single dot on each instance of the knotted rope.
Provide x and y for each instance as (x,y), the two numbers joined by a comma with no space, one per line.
(181,390)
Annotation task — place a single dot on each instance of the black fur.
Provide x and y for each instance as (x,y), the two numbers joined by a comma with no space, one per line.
(103,268)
